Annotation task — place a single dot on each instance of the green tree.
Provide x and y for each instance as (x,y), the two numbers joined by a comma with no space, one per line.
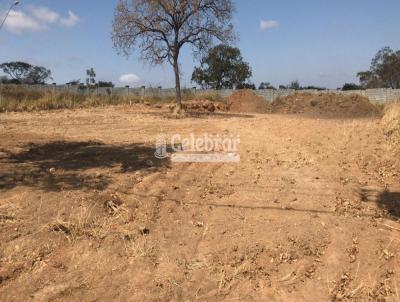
(17,70)
(250,86)
(91,77)
(105,84)
(384,71)
(74,82)
(312,87)
(38,75)
(351,86)
(266,85)
(223,67)
(295,85)
(368,80)
(22,72)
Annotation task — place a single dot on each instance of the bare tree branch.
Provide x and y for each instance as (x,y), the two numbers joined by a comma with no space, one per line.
(160,28)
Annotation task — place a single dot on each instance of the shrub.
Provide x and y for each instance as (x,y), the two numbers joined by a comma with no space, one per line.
(351,86)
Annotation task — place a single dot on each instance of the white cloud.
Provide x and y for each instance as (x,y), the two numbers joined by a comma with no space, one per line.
(44,14)
(38,18)
(129,78)
(268,24)
(71,21)
(18,22)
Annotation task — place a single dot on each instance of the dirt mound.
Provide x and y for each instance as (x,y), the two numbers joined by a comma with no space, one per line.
(247,101)
(203,106)
(325,104)
(200,106)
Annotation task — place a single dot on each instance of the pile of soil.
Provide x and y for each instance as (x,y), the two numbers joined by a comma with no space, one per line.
(203,106)
(199,106)
(325,104)
(246,101)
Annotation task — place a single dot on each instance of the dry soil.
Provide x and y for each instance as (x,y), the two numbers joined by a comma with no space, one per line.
(311,213)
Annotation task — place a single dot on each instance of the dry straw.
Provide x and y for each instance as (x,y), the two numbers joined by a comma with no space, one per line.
(19,98)
(391,122)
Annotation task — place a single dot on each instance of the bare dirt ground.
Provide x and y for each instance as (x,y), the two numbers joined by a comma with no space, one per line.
(311,213)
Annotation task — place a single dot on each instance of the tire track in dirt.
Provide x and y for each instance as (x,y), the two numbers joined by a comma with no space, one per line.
(167,200)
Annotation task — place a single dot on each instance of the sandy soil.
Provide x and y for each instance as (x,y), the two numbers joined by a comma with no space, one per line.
(311,213)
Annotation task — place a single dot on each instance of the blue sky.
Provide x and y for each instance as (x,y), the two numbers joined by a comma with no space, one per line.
(317,42)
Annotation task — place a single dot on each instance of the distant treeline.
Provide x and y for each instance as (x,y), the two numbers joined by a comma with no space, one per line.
(222,68)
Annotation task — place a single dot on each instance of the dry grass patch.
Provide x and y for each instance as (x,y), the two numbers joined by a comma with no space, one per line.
(391,122)
(19,98)
(94,219)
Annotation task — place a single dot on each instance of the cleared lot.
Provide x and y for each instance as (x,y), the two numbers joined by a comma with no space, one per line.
(87,213)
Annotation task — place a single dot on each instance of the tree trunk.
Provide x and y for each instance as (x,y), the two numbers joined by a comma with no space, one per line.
(178,96)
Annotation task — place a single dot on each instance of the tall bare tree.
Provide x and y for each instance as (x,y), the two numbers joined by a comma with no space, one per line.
(160,28)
